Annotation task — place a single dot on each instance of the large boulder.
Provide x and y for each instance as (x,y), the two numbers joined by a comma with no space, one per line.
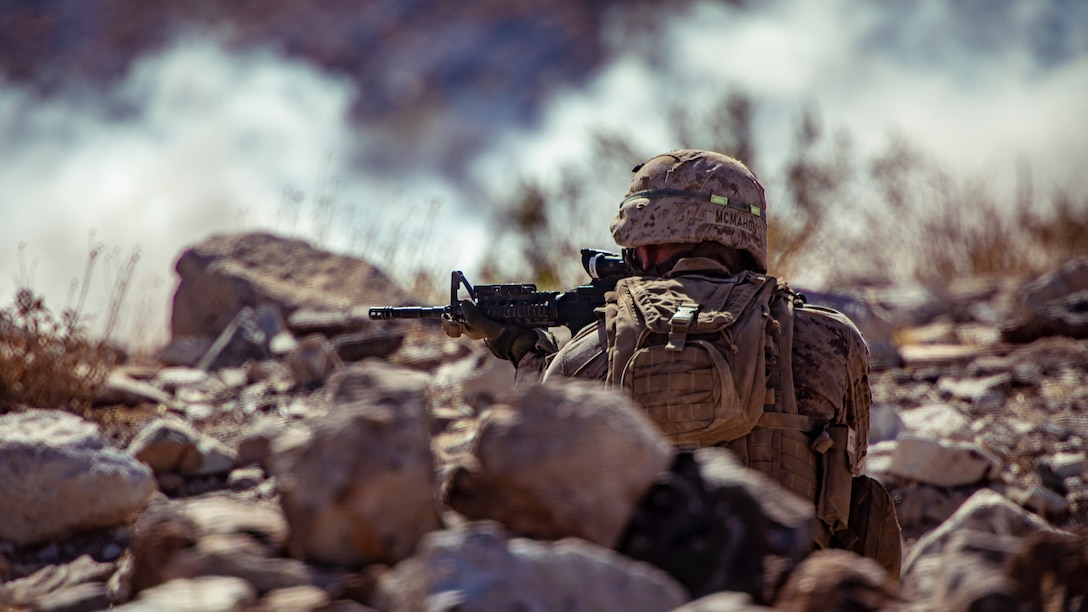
(226,273)
(214,535)
(477,567)
(987,514)
(60,477)
(569,460)
(360,487)
(837,580)
(715,525)
(1056,304)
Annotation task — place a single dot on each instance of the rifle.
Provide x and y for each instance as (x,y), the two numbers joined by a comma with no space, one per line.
(521,303)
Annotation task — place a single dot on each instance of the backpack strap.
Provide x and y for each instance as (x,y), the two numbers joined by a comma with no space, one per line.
(781,395)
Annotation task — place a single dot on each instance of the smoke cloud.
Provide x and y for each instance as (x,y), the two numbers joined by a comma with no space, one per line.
(197,140)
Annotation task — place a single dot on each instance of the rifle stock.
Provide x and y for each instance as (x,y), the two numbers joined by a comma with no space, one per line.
(521,303)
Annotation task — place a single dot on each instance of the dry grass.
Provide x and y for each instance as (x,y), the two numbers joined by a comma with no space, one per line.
(837,217)
(49,360)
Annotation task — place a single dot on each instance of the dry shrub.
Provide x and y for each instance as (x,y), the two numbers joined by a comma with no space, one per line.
(899,216)
(543,222)
(49,360)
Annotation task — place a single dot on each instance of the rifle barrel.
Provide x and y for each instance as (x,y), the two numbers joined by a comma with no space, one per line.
(387,313)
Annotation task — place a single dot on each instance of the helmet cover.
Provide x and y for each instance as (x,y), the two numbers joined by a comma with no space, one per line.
(691,196)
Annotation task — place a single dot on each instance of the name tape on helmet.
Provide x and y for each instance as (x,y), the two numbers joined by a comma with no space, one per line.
(697,195)
(732,218)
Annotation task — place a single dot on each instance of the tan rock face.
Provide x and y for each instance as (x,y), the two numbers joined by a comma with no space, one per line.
(359,489)
(60,477)
(561,461)
(484,569)
(227,272)
(173,446)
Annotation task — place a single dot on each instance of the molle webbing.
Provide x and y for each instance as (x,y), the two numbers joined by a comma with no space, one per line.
(784,455)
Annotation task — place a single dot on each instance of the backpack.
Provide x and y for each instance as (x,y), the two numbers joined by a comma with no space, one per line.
(696,352)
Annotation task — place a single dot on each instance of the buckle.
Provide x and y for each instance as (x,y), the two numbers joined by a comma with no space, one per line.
(679,324)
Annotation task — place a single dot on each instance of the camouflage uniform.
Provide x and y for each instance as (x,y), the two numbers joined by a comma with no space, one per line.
(698,197)
(830,364)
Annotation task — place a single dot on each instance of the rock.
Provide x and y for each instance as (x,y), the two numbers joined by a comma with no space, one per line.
(476,567)
(223,515)
(715,525)
(359,489)
(1043,502)
(120,388)
(240,556)
(937,422)
(375,343)
(254,334)
(346,605)
(884,423)
(878,459)
(476,380)
(170,379)
(1068,465)
(724,601)
(907,305)
(199,413)
(233,378)
(918,357)
(228,272)
(942,463)
(203,594)
(87,597)
(837,580)
(161,531)
(57,585)
(59,477)
(924,506)
(256,441)
(331,323)
(173,446)
(295,599)
(987,512)
(1055,304)
(1051,567)
(429,355)
(313,360)
(243,479)
(985,394)
(185,350)
(569,460)
(965,575)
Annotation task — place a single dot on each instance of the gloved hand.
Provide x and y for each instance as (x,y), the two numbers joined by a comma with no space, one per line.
(505,340)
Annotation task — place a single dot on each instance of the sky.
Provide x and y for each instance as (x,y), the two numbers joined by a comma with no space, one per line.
(197,140)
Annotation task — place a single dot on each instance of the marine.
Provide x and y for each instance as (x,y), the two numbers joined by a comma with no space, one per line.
(792,400)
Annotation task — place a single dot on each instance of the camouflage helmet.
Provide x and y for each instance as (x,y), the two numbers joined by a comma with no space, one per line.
(693,196)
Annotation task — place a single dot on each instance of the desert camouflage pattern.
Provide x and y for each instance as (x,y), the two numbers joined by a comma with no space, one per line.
(831,373)
(830,365)
(673,218)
